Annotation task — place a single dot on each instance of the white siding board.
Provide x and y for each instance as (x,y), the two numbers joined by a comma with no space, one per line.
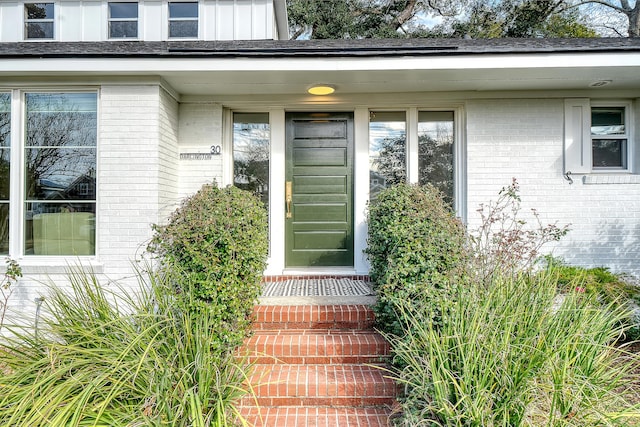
(151,23)
(69,22)
(243,19)
(11,21)
(225,20)
(87,20)
(94,22)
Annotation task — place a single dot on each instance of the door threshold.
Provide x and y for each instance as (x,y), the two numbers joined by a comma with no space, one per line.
(315,271)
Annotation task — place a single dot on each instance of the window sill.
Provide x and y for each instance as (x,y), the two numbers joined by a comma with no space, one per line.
(57,265)
(610,178)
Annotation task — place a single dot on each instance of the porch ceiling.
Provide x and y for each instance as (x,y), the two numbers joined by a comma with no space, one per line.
(404,81)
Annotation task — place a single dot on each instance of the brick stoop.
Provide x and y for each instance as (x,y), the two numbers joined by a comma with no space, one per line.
(317,365)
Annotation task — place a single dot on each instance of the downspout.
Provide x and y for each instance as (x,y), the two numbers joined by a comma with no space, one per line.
(282,19)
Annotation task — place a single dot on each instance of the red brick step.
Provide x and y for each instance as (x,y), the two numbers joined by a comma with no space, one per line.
(278,317)
(321,385)
(284,416)
(317,366)
(317,346)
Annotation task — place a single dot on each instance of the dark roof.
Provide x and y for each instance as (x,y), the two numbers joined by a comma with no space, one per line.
(314,48)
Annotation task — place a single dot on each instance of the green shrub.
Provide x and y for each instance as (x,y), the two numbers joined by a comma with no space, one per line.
(107,357)
(215,248)
(608,287)
(415,247)
(512,354)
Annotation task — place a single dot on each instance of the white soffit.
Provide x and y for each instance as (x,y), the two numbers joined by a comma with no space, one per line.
(238,76)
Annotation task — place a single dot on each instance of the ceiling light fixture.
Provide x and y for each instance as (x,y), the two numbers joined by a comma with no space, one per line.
(321,89)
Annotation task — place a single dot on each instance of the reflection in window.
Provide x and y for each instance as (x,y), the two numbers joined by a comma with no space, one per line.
(39,20)
(183,19)
(5,148)
(60,177)
(609,137)
(435,150)
(387,150)
(123,20)
(251,138)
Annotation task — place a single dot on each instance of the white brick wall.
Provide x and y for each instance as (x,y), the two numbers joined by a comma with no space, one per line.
(524,139)
(200,127)
(168,155)
(129,178)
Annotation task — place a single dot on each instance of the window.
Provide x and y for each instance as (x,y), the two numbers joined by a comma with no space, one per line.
(387,150)
(123,20)
(435,150)
(609,137)
(5,159)
(597,136)
(251,137)
(183,19)
(60,173)
(38,21)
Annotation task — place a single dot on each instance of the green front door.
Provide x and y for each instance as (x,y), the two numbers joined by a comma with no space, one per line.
(319,190)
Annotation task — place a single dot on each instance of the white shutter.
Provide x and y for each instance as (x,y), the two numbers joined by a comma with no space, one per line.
(577,136)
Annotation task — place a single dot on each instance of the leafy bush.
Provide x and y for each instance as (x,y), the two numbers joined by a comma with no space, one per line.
(504,243)
(605,285)
(504,356)
(107,357)
(416,247)
(215,249)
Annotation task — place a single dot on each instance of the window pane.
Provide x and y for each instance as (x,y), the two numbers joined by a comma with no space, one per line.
(183,29)
(5,157)
(123,10)
(123,29)
(387,152)
(435,150)
(60,229)
(39,30)
(183,10)
(607,121)
(39,10)
(61,120)
(609,153)
(60,173)
(251,139)
(4,228)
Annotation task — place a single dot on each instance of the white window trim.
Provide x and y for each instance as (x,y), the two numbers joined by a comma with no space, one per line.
(578,140)
(138,20)
(41,263)
(628,135)
(168,20)
(55,21)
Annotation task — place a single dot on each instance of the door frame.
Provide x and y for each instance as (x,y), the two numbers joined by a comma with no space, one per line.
(275,262)
(277,178)
(346,117)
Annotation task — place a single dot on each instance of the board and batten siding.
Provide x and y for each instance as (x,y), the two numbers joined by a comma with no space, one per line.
(87,20)
(523,139)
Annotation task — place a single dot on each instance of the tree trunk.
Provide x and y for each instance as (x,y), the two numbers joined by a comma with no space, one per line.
(634,20)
